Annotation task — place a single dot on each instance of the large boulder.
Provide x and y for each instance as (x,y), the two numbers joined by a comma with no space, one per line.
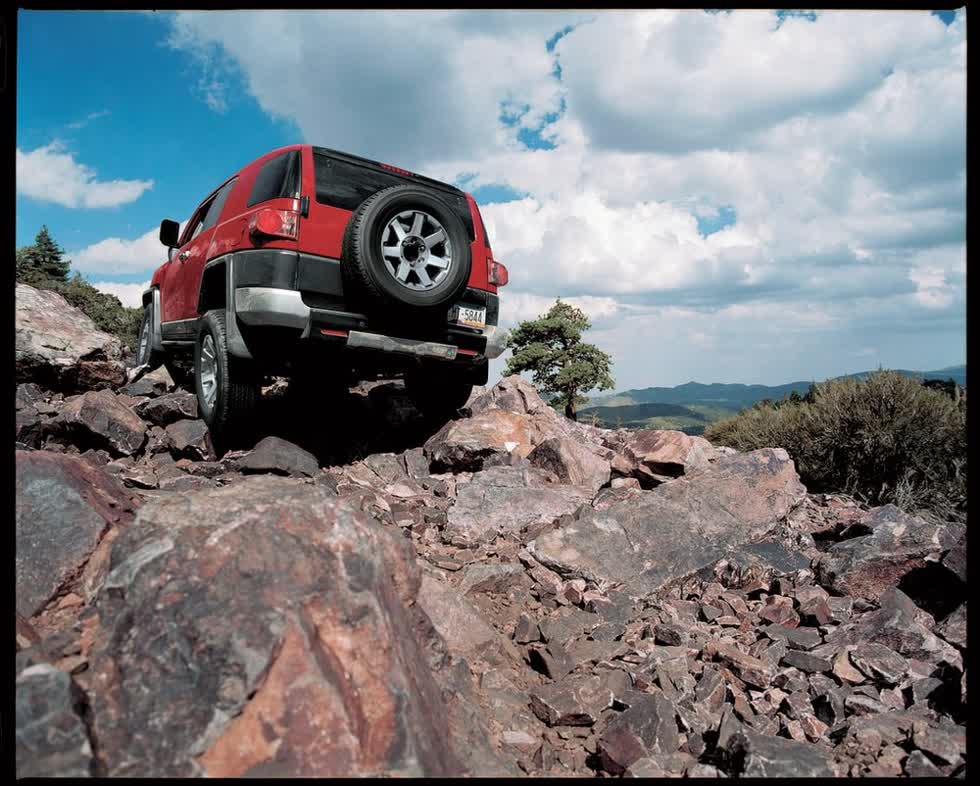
(897,544)
(264,629)
(658,456)
(168,408)
(276,455)
(99,419)
(488,438)
(501,500)
(571,462)
(54,344)
(678,527)
(64,508)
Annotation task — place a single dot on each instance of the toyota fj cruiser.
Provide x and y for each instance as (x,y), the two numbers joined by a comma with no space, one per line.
(327,268)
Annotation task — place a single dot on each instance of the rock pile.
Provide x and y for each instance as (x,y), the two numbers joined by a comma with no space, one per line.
(511,594)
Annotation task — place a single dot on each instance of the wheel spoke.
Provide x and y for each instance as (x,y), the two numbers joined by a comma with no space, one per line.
(440,262)
(417,224)
(403,270)
(423,275)
(391,251)
(399,229)
(435,238)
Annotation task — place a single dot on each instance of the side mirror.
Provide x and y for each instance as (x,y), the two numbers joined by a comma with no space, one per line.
(169,230)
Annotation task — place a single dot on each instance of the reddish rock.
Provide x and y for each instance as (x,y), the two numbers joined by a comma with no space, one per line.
(273,454)
(168,408)
(190,439)
(100,419)
(488,438)
(571,462)
(264,629)
(658,456)
(64,507)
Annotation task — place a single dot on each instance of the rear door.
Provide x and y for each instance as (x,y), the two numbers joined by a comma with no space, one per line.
(172,287)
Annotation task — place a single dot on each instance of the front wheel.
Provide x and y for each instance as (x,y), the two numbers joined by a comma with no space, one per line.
(145,354)
(227,387)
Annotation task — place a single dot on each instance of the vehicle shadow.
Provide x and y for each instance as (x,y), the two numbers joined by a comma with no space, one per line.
(343,427)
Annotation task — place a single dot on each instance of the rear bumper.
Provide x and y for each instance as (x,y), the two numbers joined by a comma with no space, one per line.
(265,306)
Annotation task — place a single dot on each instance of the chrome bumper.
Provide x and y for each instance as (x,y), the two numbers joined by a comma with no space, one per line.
(270,306)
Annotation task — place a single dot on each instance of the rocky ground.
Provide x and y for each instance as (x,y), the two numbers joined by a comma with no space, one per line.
(360,592)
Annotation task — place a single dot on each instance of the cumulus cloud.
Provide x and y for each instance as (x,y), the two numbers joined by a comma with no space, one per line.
(115,255)
(130,295)
(51,174)
(836,139)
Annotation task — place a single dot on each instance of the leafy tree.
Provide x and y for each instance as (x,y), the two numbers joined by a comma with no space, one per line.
(562,365)
(42,262)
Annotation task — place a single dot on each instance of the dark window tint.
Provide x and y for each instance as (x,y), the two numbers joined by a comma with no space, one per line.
(279,177)
(217,204)
(344,185)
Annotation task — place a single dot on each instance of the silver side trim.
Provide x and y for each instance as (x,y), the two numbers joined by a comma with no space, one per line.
(406,346)
(271,306)
(496,341)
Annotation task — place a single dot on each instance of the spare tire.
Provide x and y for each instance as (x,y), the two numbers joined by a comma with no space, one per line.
(404,247)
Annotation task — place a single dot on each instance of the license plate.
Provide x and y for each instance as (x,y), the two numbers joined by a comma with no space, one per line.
(474,317)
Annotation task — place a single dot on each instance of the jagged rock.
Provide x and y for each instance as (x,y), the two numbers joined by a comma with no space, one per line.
(507,499)
(953,628)
(168,408)
(807,661)
(281,629)
(900,625)
(100,374)
(955,560)
(646,728)
(465,630)
(495,578)
(493,437)
(658,456)
(752,671)
(898,543)
(676,528)
(879,662)
(54,341)
(153,383)
(52,741)
(572,701)
(190,439)
(64,506)
(276,455)
(101,419)
(764,756)
(571,462)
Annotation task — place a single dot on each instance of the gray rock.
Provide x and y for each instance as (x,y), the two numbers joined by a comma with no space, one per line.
(168,408)
(765,756)
(879,662)
(278,456)
(953,627)
(646,728)
(678,527)
(64,506)
(807,661)
(153,383)
(100,419)
(658,456)
(236,622)
(507,499)
(573,701)
(190,439)
(51,739)
(572,462)
(898,544)
(54,341)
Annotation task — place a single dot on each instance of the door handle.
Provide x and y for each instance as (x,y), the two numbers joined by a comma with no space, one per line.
(183,255)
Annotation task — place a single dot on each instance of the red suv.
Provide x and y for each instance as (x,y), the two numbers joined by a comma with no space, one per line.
(327,268)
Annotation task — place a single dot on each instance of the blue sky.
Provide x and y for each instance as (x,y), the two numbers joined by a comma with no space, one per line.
(687,202)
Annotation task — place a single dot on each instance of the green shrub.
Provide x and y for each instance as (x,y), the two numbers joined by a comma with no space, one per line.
(888,438)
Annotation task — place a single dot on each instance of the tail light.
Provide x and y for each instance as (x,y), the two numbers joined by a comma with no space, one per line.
(498,273)
(275,223)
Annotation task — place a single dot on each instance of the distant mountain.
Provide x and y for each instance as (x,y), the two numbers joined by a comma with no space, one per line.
(706,403)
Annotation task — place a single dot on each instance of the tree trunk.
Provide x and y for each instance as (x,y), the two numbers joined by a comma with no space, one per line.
(570,412)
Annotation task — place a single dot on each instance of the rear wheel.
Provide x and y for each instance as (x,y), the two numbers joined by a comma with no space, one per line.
(227,387)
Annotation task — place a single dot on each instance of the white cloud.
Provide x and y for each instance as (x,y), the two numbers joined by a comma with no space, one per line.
(839,143)
(115,255)
(89,118)
(50,174)
(130,295)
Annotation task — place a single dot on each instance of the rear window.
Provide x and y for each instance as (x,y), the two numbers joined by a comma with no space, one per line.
(345,185)
(279,177)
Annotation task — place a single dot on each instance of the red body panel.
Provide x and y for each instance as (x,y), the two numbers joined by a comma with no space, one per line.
(320,234)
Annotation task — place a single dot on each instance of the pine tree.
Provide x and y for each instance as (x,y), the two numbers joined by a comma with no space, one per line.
(42,262)
(563,365)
